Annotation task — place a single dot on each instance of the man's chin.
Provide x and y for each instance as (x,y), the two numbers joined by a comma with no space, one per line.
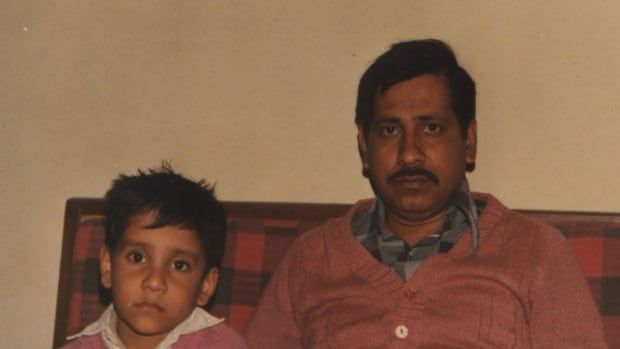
(414,207)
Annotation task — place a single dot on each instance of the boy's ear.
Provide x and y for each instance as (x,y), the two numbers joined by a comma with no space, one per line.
(207,286)
(105,267)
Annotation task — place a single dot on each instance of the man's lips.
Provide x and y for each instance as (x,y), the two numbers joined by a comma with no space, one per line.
(148,306)
(413,175)
(412,182)
(412,179)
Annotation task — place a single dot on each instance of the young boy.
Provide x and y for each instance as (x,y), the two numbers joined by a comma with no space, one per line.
(164,241)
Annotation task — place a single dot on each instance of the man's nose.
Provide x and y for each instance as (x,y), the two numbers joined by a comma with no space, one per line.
(411,150)
(155,279)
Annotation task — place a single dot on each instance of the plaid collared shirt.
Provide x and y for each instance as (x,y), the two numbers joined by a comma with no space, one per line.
(388,248)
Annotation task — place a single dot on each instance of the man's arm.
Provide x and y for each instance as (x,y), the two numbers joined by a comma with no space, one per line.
(563,313)
(273,325)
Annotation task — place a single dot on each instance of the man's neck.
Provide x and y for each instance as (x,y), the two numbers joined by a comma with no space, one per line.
(413,232)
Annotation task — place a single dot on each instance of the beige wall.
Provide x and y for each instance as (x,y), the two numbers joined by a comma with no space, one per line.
(261,97)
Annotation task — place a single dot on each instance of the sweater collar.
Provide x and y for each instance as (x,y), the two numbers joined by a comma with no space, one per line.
(361,261)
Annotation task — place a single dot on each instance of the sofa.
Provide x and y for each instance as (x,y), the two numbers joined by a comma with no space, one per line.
(259,234)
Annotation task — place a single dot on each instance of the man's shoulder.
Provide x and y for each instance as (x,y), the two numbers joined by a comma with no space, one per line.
(329,238)
(334,226)
(514,224)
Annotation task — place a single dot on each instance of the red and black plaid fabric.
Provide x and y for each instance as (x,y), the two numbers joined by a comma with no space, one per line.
(260,233)
(595,239)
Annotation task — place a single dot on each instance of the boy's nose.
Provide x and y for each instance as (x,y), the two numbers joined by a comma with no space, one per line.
(155,280)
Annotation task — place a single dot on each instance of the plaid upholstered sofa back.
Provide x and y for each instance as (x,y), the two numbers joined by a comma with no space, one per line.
(259,234)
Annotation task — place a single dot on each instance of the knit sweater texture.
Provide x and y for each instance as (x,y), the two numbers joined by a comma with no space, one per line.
(522,289)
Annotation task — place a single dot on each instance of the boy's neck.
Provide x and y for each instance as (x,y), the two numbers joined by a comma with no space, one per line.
(132,340)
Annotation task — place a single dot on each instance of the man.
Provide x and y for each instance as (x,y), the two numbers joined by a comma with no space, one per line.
(426,263)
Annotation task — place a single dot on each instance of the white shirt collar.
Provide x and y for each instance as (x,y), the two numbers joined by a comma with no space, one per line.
(106,324)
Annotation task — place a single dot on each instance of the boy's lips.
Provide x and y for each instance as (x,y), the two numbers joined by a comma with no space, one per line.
(148,306)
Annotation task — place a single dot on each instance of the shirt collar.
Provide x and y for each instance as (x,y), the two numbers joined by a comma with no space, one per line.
(462,207)
(106,325)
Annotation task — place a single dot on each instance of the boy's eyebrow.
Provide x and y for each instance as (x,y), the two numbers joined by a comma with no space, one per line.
(129,242)
(195,255)
(191,254)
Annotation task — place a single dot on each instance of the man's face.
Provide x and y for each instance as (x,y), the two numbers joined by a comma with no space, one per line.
(414,151)
(157,277)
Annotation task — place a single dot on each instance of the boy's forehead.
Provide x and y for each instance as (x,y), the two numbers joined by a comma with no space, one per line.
(141,230)
(144,219)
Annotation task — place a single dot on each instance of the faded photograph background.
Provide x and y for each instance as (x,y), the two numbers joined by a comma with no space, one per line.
(259,97)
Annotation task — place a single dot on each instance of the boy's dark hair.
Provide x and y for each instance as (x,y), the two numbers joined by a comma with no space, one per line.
(409,59)
(176,201)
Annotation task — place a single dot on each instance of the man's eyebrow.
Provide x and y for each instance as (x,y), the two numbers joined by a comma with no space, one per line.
(378,119)
(425,117)
(385,119)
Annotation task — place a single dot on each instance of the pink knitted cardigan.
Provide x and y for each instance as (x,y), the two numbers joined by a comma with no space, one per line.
(523,289)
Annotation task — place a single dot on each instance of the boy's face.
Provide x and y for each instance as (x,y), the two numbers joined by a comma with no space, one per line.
(156,277)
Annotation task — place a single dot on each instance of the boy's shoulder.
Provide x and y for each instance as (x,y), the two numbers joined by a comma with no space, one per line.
(93,341)
(220,336)
(217,336)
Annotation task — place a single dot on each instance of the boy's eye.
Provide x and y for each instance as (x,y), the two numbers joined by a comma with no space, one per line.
(136,257)
(181,266)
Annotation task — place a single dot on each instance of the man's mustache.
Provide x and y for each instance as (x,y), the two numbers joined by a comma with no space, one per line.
(413,171)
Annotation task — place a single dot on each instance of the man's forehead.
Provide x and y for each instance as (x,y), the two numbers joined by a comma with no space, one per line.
(426,94)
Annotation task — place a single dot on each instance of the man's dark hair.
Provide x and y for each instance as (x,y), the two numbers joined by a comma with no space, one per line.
(409,59)
(175,201)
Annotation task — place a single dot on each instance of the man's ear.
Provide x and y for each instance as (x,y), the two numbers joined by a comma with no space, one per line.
(208,286)
(471,146)
(362,149)
(105,267)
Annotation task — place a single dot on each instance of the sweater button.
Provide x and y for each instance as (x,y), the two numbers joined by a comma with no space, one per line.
(410,294)
(401,331)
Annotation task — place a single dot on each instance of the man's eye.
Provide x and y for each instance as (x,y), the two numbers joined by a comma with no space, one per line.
(389,131)
(181,266)
(136,257)
(432,128)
